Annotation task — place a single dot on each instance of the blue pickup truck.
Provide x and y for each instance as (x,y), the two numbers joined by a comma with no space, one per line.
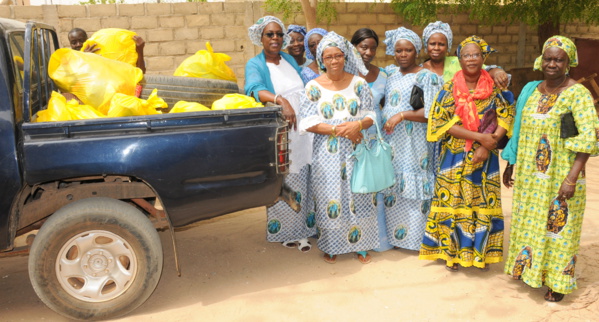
(97,190)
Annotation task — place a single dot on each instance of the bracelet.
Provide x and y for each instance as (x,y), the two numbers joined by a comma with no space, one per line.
(275,100)
(401,114)
(360,122)
(568,182)
(333,131)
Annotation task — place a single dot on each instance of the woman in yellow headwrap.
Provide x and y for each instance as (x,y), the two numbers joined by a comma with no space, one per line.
(469,116)
(549,190)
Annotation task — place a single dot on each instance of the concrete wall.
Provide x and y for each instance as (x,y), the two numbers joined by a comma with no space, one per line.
(174,31)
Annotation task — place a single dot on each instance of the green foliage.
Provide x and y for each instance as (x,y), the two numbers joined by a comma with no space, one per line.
(325,9)
(531,12)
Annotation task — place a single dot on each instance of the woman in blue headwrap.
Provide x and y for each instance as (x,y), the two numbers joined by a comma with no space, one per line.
(311,41)
(550,187)
(296,46)
(408,202)
(273,76)
(366,42)
(337,106)
(438,38)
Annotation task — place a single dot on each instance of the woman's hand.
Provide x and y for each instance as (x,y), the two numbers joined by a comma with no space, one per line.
(392,122)
(481,154)
(566,190)
(288,112)
(508,180)
(350,131)
(499,77)
(488,140)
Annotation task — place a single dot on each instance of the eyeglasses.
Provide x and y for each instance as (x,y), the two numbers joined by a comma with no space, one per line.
(337,57)
(469,56)
(272,34)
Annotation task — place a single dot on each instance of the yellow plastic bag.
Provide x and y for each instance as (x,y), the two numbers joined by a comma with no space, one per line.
(126,105)
(183,106)
(235,101)
(61,110)
(92,78)
(207,64)
(114,43)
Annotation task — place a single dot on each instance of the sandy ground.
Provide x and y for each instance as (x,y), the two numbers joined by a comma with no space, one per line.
(230,273)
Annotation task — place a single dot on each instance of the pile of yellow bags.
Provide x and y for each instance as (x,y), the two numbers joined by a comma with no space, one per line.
(114,43)
(92,78)
(207,64)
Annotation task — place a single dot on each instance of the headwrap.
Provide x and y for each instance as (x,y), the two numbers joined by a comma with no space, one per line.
(296,28)
(353,60)
(465,107)
(564,44)
(438,27)
(484,47)
(255,31)
(393,36)
(319,31)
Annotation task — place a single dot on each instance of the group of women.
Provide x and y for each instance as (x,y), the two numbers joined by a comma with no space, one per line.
(446,202)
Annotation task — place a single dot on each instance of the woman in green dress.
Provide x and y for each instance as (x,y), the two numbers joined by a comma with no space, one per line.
(549,187)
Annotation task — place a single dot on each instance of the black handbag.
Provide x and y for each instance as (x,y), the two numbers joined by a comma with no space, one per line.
(568,127)
(489,124)
(417,98)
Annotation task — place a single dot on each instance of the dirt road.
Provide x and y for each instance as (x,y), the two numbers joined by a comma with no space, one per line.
(230,273)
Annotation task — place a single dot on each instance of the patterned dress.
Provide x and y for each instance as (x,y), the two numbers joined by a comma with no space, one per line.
(346,222)
(378,93)
(284,223)
(407,203)
(545,233)
(465,224)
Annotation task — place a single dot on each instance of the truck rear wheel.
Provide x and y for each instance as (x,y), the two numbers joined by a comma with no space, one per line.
(176,88)
(97,258)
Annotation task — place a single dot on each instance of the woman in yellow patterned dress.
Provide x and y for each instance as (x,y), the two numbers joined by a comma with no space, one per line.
(549,191)
(465,225)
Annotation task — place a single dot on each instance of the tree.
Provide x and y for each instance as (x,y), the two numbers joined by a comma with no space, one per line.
(313,10)
(548,15)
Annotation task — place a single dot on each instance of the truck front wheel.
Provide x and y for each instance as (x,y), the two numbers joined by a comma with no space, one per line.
(96,258)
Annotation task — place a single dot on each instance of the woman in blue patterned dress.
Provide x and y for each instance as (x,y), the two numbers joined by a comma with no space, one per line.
(311,41)
(366,42)
(296,46)
(337,106)
(407,203)
(273,76)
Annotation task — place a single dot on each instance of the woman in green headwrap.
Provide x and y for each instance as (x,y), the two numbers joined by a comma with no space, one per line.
(549,189)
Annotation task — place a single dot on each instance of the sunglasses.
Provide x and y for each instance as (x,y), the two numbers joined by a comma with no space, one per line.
(272,34)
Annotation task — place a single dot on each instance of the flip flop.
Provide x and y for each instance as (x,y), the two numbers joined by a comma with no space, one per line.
(330,259)
(304,245)
(552,296)
(290,244)
(364,259)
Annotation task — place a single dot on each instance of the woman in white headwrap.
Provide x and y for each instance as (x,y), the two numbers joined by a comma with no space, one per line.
(407,203)
(273,76)
(438,38)
(337,106)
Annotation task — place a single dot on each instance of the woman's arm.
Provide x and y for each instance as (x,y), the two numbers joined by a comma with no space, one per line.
(348,130)
(288,111)
(568,187)
(487,140)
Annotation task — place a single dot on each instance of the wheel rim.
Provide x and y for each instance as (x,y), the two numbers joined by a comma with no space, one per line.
(96,266)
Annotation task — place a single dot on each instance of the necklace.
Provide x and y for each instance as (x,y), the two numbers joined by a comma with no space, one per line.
(556,88)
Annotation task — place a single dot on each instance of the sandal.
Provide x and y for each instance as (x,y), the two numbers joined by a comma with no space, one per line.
(290,244)
(304,245)
(364,259)
(552,296)
(453,268)
(331,259)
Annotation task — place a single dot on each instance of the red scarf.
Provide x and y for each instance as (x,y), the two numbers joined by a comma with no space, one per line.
(464,100)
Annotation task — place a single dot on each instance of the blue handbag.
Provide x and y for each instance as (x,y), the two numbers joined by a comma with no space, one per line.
(373,170)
